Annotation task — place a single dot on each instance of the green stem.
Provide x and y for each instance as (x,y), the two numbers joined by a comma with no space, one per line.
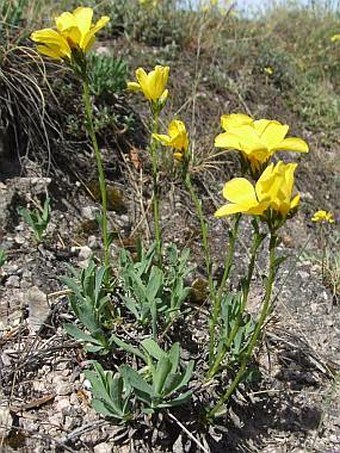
(204,232)
(264,312)
(218,299)
(257,241)
(156,195)
(101,176)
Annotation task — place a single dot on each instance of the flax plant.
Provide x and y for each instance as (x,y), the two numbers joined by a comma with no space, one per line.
(153,86)
(69,42)
(272,202)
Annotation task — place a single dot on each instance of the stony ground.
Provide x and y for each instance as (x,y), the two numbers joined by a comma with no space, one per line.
(45,398)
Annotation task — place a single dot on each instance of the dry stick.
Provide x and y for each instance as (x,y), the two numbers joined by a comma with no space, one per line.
(188,433)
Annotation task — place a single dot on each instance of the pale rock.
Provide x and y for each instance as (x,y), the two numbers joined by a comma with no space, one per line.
(62,403)
(103,447)
(38,308)
(89,212)
(61,386)
(13,282)
(85,253)
(6,421)
(92,242)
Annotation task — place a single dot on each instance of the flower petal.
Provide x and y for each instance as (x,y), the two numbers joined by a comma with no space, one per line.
(271,132)
(164,139)
(227,140)
(83,17)
(65,21)
(235,120)
(239,190)
(292,144)
(142,79)
(228,209)
(134,86)
(89,38)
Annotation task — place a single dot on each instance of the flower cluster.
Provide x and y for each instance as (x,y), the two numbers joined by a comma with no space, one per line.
(153,86)
(257,140)
(323,217)
(177,139)
(74,33)
(272,196)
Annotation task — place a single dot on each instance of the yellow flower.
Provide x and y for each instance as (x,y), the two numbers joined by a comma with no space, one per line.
(335,38)
(177,138)
(153,84)
(268,70)
(257,140)
(149,3)
(273,191)
(323,216)
(74,31)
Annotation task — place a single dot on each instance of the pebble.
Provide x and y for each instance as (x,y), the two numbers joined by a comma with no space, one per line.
(61,386)
(85,253)
(89,212)
(103,447)
(19,239)
(61,403)
(124,219)
(13,282)
(6,421)
(92,242)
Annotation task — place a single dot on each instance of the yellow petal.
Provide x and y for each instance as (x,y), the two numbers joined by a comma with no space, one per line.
(89,38)
(157,80)
(65,21)
(133,86)
(335,38)
(271,132)
(164,96)
(228,209)
(227,140)
(239,190)
(235,120)
(83,16)
(164,139)
(142,78)
(295,201)
(292,144)
(53,40)
(51,51)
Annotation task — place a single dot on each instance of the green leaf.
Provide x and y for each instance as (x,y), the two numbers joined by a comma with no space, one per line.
(78,334)
(155,283)
(162,371)
(135,380)
(128,348)
(174,356)
(153,349)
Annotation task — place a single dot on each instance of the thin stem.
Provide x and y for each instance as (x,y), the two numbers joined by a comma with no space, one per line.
(156,197)
(257,241)
(204,232)
(218,299)
(101,176)
(258,328)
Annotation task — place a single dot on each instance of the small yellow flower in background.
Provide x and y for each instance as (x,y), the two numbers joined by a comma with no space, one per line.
(153,84)
(257,140)
(335,38)
(268,70)
(177,138)
(74,32)
(149,3)
(323,216)
(273,191)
